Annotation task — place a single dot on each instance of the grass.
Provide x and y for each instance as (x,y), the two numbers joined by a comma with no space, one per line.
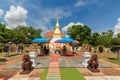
(114,60)
(111,57)
(2,60)
(13,55)
(71,74)
(44,74)
(105,55)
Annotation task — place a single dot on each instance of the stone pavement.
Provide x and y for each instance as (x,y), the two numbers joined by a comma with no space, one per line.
(63,62)
(41,63)
(77,63)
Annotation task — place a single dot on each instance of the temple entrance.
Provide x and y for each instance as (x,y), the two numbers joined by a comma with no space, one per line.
(56,48)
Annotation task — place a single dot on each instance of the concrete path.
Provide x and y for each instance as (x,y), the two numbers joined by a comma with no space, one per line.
(54,71)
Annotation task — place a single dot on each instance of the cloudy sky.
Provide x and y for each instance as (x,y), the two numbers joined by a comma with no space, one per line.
(99,15)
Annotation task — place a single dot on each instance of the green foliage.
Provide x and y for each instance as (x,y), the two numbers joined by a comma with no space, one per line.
(71,74)
(105,38)
(1,48)
(21,34)
(80,33)
(94,38)
(25,34)
(115,41)
(118,35)
(3,60)
(85,42)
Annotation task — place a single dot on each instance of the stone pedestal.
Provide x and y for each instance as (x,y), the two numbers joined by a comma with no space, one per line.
(86,58)
(33,58)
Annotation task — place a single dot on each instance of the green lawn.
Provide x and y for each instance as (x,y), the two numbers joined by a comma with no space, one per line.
(71,74)
(114,60)
(3,60)
(44,74)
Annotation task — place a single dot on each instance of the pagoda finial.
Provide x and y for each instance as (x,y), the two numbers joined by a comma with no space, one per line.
(57,18)
(57,30)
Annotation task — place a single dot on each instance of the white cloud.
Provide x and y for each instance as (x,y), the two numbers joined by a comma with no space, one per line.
(70,25)
(1,12)
(80,3)
(15,16)
(117,28)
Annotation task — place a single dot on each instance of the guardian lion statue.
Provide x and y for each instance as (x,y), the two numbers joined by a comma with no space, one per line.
(26,64)
(93,63)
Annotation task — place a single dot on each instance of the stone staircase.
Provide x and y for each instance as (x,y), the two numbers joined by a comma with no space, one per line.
(54,70)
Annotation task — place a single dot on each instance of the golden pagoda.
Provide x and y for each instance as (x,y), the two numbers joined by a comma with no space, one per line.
(57,33)
(57,29)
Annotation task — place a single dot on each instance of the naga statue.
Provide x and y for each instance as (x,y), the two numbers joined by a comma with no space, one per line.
(26,64)
(93,63)
(86,48)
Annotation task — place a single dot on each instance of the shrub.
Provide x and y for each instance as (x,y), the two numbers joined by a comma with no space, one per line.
(1,48)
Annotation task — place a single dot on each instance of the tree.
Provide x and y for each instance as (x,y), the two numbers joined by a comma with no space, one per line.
(24,34)
(115,41)
(105,38)
(2,29)
(79,32)
(85,41)
(94,38)
(118,35)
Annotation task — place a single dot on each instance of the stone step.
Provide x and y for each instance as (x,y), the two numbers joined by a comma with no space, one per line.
(53,78)
(53,70)
(53,75)
(54,66)
(54,63)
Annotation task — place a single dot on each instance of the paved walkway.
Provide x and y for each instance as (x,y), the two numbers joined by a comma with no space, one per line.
(54,71)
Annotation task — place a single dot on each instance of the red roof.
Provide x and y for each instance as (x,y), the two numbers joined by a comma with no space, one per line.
(51,32)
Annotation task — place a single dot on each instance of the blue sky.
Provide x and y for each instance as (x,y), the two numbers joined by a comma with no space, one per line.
(99,15)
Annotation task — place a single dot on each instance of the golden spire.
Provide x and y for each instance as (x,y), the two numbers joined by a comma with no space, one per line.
(57,29)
